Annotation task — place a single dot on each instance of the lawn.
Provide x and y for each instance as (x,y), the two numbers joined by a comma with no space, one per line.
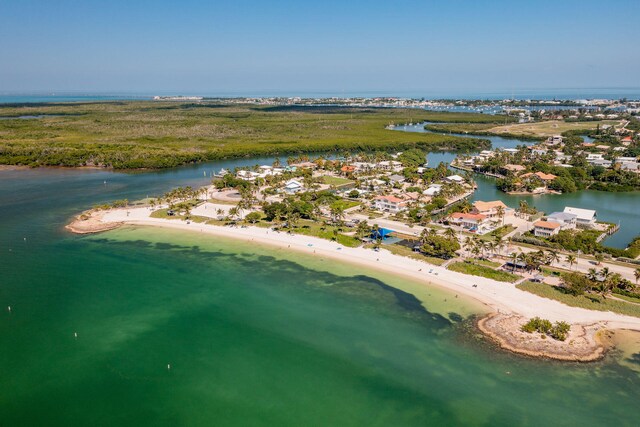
(313,228)
(537,130)
(335,180)
(408,252)
(591,302)
(482,271)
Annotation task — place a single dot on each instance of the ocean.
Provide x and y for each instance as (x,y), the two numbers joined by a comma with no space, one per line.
(141,326)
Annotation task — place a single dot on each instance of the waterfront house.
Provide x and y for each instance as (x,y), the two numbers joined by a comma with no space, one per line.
(469,221)
(304,165)
(433,190)
(544,177)
(585,218)
(514,168)
(455,179)
(545,228)
(566,220)
(490,209)
(389,204)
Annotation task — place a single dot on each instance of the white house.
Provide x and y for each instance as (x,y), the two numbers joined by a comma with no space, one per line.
(293,186)
(456,179)
(585,218)
(433,190)
(469,221)
(566,220)
(545,228)
(391,204)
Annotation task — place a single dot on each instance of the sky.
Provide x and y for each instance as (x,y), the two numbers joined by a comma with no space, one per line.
(219,47)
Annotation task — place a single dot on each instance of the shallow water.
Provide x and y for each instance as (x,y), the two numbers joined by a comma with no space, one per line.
(253,336)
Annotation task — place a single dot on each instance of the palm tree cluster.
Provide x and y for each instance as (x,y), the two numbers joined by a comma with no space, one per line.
(481,248)
(532,261)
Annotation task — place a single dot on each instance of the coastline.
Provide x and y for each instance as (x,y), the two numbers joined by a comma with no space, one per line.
(584,340)
(502,301)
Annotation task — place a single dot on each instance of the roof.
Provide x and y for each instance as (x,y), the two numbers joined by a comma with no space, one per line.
(455,178)
(563,216)
(546,224)
(475,217)
(543,176)
(581,213)
(348,168)
(514,168)
(391,199)
(396,178)
(487,206)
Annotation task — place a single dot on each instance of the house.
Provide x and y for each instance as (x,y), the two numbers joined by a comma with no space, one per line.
(468,221)
(293,186)
(347,169)
(433,190)
(391,204)
(514,168)
(456,179)
(391,165)
(566,220)
(247,175)
(396,179)
(304,165)
(544,177)
(489,209)
(630,166)
(545,228)
(585,218)
(554,140)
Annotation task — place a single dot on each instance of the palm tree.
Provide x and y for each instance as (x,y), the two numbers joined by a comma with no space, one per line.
(571,259)
(500,212)
(636,274)
(514,260)
(468,244)
(553,256)
(363,229)
(450,233)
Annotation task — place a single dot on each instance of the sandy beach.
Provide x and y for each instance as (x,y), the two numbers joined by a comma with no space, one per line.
(502,298)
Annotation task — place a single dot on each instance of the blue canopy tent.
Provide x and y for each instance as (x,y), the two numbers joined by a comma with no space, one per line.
(380,233)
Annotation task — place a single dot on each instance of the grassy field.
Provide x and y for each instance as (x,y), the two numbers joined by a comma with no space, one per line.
(409,253)
(483,271)
(534,131)
(548,128)
(148,134)
(591,302)
(335,180)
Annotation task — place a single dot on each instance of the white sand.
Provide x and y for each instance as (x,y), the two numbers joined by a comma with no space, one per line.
(500,296)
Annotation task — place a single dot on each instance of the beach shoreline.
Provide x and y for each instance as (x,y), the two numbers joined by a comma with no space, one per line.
(502,300)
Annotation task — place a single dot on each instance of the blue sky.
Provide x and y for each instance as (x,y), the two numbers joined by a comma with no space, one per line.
(335,46)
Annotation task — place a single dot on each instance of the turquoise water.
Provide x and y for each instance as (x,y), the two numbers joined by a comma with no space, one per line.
(253,336)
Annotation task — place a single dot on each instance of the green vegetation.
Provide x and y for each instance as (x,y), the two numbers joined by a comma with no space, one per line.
(591,302)
(557,331)
(113,205)
(440,246)
(166,134)
(334,180)
(468,267)
(410,253)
